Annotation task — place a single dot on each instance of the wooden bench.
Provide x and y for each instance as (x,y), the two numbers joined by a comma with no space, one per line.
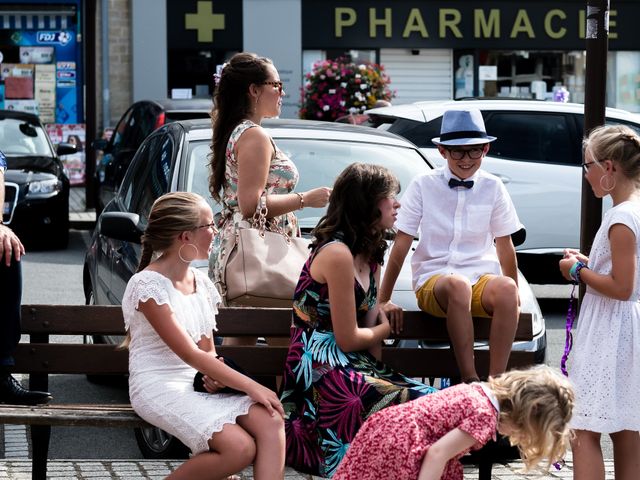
(40,358)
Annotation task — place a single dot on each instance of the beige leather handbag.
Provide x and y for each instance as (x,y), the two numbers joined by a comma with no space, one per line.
(263,267)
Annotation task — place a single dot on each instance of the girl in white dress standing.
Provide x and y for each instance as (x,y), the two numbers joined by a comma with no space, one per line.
(169,310)
(606,364)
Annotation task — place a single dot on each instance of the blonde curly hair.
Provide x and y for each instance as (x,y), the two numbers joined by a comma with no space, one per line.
(536,405)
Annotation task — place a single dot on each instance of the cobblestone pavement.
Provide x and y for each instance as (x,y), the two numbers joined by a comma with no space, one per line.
(153,469)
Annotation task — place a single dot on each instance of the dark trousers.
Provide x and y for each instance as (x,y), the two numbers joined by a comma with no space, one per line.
(10,300)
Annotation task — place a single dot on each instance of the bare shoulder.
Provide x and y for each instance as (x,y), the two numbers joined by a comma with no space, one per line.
(254,135)
(335,255)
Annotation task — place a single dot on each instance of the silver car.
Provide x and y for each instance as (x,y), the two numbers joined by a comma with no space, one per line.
(537,155)
(175,158)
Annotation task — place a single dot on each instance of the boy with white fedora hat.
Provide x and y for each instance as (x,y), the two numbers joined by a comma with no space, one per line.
(465,263)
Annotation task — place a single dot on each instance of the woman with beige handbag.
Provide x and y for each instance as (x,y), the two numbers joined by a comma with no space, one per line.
(254,181)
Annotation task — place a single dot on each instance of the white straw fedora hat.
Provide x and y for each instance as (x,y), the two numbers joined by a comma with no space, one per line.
(462,127)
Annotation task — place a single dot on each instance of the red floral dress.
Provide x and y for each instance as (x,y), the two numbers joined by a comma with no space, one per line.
(392,443)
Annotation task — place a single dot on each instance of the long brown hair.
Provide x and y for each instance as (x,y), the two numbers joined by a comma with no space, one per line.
(353,210)
(232,104)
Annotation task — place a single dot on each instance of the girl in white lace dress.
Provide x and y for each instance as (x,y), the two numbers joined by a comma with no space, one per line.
(605,367)
(169,310)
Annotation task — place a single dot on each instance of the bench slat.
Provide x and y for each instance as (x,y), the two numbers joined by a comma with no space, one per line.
(274,322)
(72,415)
(58,358)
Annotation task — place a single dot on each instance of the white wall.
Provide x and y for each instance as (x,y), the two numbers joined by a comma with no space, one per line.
(149,52)
(274,29)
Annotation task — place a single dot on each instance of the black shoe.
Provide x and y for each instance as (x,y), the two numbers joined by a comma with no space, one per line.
(11,392)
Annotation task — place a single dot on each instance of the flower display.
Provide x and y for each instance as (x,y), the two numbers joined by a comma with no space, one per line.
(339,87)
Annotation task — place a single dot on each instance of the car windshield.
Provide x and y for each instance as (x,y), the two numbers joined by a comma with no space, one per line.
(20,138)
(319,162)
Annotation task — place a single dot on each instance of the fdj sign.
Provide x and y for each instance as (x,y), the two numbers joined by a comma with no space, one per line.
(51,37)
(457,24)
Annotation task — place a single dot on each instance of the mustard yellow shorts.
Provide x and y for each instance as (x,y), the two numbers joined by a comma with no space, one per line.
(427,299)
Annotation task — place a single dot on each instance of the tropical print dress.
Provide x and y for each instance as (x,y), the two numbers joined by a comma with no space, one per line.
(327,393)
(282,178)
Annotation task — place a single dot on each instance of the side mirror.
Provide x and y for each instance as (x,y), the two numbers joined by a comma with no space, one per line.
(123,226)
(99,144)
(66,149)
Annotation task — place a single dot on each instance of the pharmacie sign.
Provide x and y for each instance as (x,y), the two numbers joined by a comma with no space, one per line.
(506,24)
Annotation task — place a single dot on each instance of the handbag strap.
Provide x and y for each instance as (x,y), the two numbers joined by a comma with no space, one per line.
(259,219)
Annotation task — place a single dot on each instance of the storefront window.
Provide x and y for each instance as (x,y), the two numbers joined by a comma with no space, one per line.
(624,81)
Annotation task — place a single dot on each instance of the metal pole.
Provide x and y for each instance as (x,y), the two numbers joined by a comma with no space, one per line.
(90,98)
(106,108)
(597,33)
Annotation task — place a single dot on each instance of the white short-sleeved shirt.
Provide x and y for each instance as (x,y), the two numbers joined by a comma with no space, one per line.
(456,226)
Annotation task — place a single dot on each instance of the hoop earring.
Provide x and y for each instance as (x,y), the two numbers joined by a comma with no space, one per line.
(612,184)
(188,245)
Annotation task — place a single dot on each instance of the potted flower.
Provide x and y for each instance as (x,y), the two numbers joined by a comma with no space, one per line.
(336,88)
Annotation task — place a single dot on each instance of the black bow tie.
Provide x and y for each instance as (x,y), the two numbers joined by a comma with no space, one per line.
(454,182)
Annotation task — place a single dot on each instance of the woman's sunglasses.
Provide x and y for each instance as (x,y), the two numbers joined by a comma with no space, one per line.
(278,85)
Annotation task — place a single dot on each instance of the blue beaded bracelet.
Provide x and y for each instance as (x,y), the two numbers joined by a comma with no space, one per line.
(574,271)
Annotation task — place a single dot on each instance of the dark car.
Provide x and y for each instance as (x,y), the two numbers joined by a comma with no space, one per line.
(134,126)
(36,201)
(175,158)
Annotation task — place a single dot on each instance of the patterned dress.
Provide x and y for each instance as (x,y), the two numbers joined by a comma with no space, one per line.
(327,393)
(282,178)
(392,443)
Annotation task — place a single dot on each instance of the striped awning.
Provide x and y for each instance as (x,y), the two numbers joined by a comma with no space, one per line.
(39,17)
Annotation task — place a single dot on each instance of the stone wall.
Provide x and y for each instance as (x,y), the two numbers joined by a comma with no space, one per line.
(120,60)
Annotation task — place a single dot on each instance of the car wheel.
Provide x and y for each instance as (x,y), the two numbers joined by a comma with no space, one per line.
(156,443)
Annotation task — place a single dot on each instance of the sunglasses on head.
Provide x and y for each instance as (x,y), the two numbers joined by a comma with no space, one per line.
(278,85)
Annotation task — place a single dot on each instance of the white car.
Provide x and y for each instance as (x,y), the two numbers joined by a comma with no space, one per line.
(538,156)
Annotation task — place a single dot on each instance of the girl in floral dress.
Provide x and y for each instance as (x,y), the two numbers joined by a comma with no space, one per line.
(246,164)
(424,439)
(332,381)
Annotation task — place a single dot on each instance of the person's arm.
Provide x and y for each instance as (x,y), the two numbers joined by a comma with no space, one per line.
(254,151)
(453,443)
(173,334)
(399,251)
(618,284)
(507,257)
(333,265)
(10,244)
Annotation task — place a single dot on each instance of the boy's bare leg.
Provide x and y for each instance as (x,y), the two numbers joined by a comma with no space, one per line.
(453,292)
(500,297)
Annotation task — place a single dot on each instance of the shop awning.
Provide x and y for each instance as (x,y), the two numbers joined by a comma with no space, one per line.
(38,17)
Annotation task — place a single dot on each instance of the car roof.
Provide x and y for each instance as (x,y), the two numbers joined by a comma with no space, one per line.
(182,104)
(310,129)
(429,110)
(29,117)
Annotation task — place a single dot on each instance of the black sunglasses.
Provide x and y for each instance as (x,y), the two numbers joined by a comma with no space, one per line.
(459,153)
(278,85)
